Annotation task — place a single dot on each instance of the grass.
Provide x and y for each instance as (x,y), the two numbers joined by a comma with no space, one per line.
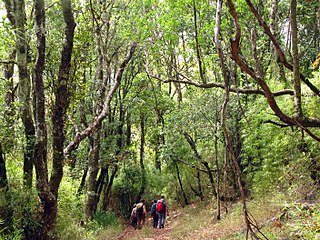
(197,223)
(279,217)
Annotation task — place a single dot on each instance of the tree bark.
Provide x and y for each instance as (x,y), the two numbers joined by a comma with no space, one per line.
(200,192)
(226,76)
(3,172)
(142,147)
(24,89)
(186,202)
(295,59)
(201,71)
(204,163)
(58,123)
(93,169)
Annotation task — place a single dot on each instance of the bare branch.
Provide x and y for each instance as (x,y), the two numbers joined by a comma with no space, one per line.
(221,85)
(278,47)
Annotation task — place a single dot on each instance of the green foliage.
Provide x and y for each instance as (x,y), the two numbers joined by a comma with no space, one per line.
(21,208)
(104,220)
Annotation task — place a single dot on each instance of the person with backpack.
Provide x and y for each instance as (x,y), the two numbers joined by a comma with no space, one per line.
(162,211)
(141,213)
(134,217)
(153,213)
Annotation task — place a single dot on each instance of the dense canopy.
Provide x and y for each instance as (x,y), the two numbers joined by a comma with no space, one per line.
(104,103)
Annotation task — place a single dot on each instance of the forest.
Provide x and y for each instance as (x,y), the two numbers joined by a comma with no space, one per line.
(213,104)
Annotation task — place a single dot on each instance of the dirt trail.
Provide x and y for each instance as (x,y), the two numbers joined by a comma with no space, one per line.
(152,233)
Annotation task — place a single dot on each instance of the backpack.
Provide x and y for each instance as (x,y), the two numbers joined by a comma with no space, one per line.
(160,207)
(153,211)
(140,211)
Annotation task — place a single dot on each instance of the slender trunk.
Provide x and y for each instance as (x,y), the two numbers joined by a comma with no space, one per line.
(6,210)
(160,138)
(3,172)
(107,191)
(267,31)
(200,192)
(93,169)
(99,188)
(83,181)
(58,117)
(225,176)
(199,158)
(218,216)
(128,129)
(295,60)
(201,68)
(186,202)
(273,24)
(24,89)
(226,76)
(142,146)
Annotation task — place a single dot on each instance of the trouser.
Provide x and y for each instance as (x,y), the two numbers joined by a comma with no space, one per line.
(155,220)
(161,220)
(134,222)
(141,220)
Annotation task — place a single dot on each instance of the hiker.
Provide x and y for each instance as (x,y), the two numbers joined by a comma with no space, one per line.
(141,213)
(162,211)
(134,217)
(153,213)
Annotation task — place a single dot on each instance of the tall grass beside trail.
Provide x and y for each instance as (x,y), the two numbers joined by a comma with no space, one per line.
(70,224)
(277,216)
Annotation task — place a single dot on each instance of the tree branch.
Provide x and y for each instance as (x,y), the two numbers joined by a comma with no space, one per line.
(278,48)
(105,111)
(221,85)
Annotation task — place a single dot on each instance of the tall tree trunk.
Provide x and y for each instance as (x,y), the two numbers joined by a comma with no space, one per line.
(226,76)
(3,172)
(186,202)
(196,30)
(109,182)
(273,29)
(40,157)
(142,146)
(218,216)
(58,120)
(107,191)
(200,192)
(295,60)
(24,89)
(128,129)
(93,169)
(83,181)
(160,137)
(199,158)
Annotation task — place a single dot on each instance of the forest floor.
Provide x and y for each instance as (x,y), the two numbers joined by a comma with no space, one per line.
(147,232)
(181,224)
(197,222)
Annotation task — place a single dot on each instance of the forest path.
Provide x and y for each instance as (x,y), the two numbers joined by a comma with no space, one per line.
(148,232)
